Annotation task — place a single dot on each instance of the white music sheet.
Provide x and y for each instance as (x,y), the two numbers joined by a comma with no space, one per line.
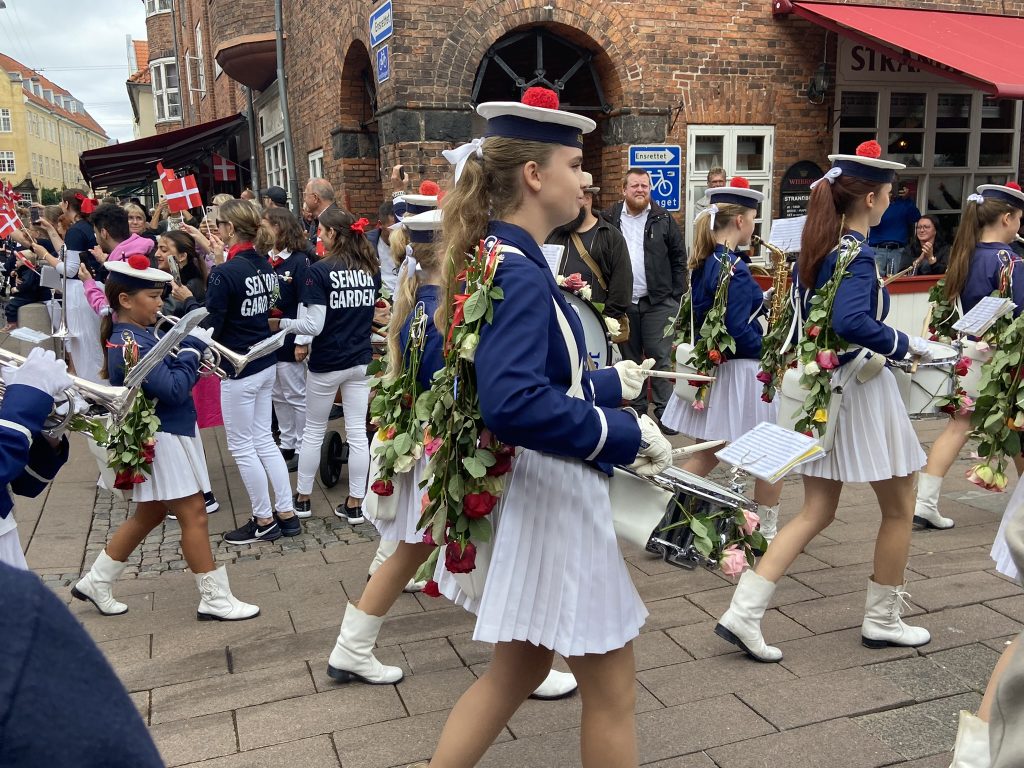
(786,233)
(984,314)
(553,256)
(769,451)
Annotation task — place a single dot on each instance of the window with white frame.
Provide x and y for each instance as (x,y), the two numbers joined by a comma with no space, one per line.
(7,162)
(316,164)
(166,90)
(157,6)
(742,150)
(200,67)
(5,121)
(276,165)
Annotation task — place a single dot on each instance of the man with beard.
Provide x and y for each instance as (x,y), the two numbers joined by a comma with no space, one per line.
(658,258)
(598,251)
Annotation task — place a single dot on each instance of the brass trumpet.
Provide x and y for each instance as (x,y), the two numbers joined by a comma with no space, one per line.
(218,352)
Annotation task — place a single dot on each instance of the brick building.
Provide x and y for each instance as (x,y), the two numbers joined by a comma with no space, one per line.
(732,84)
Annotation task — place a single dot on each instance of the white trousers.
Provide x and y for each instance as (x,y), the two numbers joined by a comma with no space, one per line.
(10,549)
(246,406)
(290,403)
(355,396)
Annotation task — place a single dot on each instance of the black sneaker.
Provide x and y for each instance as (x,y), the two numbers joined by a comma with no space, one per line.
(667,431)
(212,505)
(354,515)
(287,453)
(289,526)
(292,463)
(303,508)
(252,533)
(337,412)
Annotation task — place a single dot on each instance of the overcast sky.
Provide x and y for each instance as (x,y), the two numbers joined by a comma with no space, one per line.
(81,47)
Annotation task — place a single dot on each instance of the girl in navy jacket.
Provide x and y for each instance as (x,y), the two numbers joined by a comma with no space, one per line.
(178,471)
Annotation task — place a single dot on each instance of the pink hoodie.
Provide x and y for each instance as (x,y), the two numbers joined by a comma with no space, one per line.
(134,244)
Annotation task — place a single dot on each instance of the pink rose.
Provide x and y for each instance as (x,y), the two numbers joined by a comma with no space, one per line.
(432,446)
(827,360)
(966,405)
(698,405)
(428,537)
(764,377)
(476,505)
(753,520)
(460,561)
(733,562)
(574,282)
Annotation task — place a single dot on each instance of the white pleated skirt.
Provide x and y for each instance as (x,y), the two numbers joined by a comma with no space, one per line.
(10,550)
(875,439)
(407,515)
(557,578)
(178,470)
(733,408)
(1000,551)
(83,342)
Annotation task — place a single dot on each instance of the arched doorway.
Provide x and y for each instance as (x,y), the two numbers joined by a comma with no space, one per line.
(355,140)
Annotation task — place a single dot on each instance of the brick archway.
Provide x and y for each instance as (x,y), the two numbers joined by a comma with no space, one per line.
(355,144)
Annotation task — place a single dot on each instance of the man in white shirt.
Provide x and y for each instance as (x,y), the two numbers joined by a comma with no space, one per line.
(658,258)
(716,178)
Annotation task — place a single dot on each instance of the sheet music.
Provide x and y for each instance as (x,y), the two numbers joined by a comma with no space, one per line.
(786,233)
(769,451)
(553,256)
(29,335)
(984,314)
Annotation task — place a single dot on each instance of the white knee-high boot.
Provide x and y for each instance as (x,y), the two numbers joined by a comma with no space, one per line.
(882,625)
(741,624)
(216,602)
(971,749)
(926,511)
(96,585)
(769,521)
(352,657)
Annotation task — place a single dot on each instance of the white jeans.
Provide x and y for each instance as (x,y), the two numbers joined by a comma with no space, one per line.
(246,406)
(355,395)
(290,403)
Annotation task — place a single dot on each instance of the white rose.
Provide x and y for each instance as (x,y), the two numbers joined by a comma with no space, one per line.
(560,279)
(467,350)
(811,368)
(613,325)
(404,464)
(417,451)
(586,292)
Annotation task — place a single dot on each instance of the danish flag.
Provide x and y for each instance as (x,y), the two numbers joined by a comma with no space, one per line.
(223,169)
(9,219)
(182,194)
(166,174)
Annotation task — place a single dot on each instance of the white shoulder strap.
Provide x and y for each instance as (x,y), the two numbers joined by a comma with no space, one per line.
(575,361)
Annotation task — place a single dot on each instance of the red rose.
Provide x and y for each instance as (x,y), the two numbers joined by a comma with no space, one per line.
(407,400)
(428,537)
(460,562)
(383,487)
(764,377)
(948,408)
(276,313)
(501,466)
(963,365)
(715,356)
(485,439)
(148,453)
(123,480)
(381,304)
(431,590)
(138,477)
(574,282)
(765,398)
(815,330)
(478,504)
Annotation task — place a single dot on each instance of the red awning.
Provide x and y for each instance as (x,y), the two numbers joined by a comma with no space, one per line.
(135,161)
(982,51)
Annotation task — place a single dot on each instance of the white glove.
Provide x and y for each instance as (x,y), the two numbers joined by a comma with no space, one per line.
(655,450)
(78,407)
(41,370)
(919,349)
(632,378)
(766,297)
(202,335)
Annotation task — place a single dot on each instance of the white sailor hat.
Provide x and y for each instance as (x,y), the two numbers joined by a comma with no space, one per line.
(410,205)
(535,118)
(422,226)
(1008,193)
(866,164)
(135,272)
(738,192)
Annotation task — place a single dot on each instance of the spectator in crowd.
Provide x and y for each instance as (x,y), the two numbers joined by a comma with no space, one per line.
(247,194)
(598,251)
(179,247)
(274,197)
(26,290)
(137,220)
(658,259)
(114,238)
(890,237)
(380,239)
(717,177)
(927,254)
(317,197)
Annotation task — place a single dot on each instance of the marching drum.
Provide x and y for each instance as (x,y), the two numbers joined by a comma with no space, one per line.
(931,382)
(595,332)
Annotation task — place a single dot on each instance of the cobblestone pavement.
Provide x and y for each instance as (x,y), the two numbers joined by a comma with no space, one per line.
(256,693)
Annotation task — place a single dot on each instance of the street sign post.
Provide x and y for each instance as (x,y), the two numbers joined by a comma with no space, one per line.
(383,64)
(382,24)
(665,164)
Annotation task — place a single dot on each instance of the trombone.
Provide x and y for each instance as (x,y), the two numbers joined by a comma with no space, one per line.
(219,352)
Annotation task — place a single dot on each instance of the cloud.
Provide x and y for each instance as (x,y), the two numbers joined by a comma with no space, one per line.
(81,47)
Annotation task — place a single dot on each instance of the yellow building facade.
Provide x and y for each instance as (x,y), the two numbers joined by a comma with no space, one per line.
(43,130)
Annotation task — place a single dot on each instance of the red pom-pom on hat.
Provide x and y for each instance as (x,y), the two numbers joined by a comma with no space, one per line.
(870,149)
(429,188)
(540,97)
(138,261)
(739,181)
(1014,185)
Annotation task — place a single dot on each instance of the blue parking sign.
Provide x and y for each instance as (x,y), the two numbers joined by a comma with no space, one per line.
(383,64)
(665,164)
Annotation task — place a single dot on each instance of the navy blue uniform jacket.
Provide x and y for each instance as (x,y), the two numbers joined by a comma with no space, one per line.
(27,461)
(744,304)
(432,359)
(983,276)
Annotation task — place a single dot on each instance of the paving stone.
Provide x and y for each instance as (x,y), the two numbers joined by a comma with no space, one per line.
(716,601)
(141,701)
(424,626)
(836,650)
(799,702)
(999,644)
(548,749)
(434,691)
(696,760)
(315,645)
(347,706)
(677,583)
(838,555)
(700,640)
(922,729)
(842,580)
(198,738)
(696,726)
(471,651)
(846,744)
(805,563)
(962,626)
(656,649)
(1011,607)
(431,655)
(317,752)
(220,694)
(920,677)
(127,649)
(958,538)
(538,717)
(145,674)
(833,613)
(673,612)
(960,589)
(972,664)
(937,564)
(707,678)
(941,760)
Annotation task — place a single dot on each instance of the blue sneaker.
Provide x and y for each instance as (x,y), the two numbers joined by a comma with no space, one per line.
(289,526)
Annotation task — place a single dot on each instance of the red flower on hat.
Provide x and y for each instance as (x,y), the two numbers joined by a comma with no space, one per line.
(429,188)
(870,149)
(1013,185)
(540,97)
(739,181)
(138,261)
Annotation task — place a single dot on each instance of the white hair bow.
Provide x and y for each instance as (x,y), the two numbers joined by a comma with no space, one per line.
(974,197)
(459,155)
(712,212)
(830,175)
(412,266)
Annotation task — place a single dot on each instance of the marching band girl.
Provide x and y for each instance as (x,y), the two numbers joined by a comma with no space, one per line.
(288,258)
(875,440)
(556,581)
(976,260)
(239,297)
(178,474)
(337,310)
(352,657)
(734,404)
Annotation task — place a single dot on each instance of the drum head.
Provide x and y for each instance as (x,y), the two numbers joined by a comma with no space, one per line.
(696,485)
(595,332)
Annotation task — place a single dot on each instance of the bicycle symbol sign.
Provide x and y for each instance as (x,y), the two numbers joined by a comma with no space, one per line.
(664,163)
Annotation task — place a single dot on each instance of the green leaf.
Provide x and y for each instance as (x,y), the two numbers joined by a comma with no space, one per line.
(703,545)
(497,293)
(476,306)
(698,527)
(456,488)
(474,466)
(480,529)
(462,524)
(403,444)
(486,457)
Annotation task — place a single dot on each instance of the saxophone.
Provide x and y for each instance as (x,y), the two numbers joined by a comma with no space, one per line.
(780,279)
(774,358)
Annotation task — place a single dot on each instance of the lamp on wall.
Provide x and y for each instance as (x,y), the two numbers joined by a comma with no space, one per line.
(818,87)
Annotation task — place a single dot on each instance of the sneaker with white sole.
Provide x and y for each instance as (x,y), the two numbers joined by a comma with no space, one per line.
(253,533)
(354,515)
(212,505)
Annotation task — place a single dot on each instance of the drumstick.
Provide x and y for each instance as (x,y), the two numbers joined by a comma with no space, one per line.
(898,275)
(678,375)
(924,330)
(696,448)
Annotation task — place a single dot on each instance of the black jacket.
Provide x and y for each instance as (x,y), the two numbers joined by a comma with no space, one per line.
(610,253)
(664,252)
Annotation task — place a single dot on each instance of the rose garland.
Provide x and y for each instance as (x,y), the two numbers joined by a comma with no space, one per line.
(726,535)
(943,313)
(464,477)
(714,344)
(818,354)
(773,361)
